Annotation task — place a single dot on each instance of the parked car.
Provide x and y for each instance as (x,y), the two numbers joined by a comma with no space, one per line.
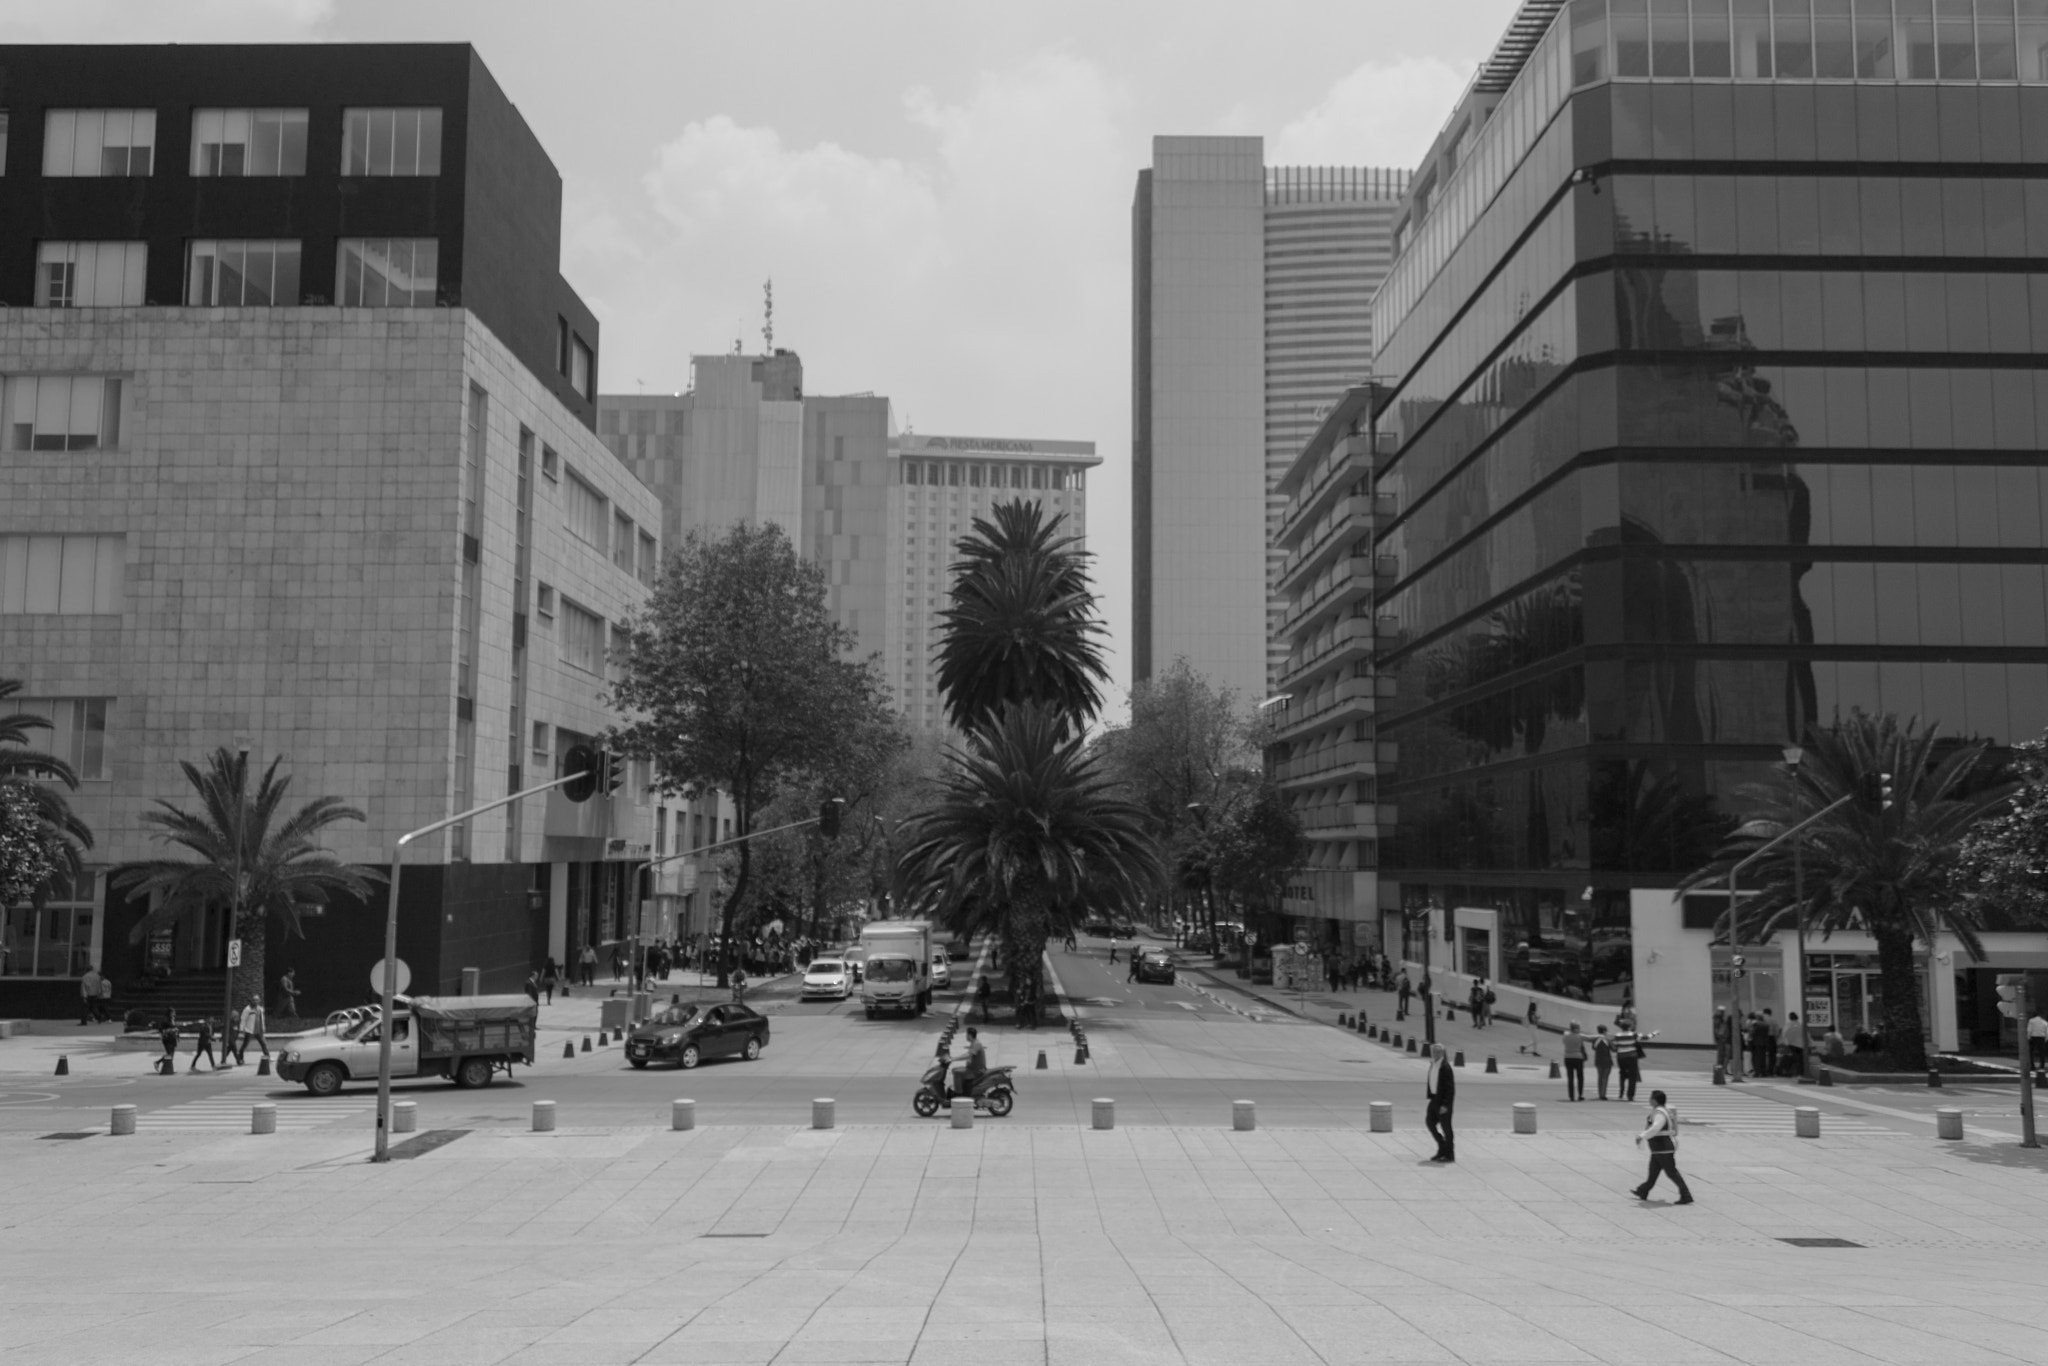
(1099,928)
(1155,966)
(828,979)
(686,1035)
(1200,943)
(942,969)
(1124,929)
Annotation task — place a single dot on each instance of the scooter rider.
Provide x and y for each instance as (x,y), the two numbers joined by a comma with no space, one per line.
(976,1066)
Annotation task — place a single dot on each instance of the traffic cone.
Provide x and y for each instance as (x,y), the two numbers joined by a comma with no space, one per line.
(586,1043)
(63,1065)
(263,1067)
(1411,1046)
(1041,1061)
(1555,1070)
(1081,1053)
(1458,1060)
(568,1049)
(1933,1077)
(1827,1078)
(1491,1064)
(1720,1075)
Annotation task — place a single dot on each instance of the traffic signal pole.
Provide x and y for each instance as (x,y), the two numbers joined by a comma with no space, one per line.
(1735,924)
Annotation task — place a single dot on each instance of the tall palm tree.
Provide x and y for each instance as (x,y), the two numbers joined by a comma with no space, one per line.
(1022,625)
(242,840)
(1025,831)
(1887,872)
(41,838)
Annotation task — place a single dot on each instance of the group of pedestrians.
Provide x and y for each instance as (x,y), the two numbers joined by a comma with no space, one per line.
(1621,1051)
(1769,1049)
(241,1031)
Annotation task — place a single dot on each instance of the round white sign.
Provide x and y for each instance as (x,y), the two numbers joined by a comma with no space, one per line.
(377,977)
(1301,950)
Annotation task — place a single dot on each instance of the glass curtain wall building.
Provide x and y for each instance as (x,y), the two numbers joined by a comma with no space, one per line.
(1717,413)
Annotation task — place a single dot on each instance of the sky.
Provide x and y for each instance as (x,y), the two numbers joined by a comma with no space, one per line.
(941,192)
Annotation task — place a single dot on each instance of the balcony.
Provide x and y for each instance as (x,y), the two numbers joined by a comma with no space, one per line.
(1351,699)
(1350,580)
(1350,757)
(1348,522)
(1348,463)
(1348,639)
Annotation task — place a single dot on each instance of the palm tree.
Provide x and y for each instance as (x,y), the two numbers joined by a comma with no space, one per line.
(41,838)
(1887,872)
(248,859)
(1026,828)
(1021,627)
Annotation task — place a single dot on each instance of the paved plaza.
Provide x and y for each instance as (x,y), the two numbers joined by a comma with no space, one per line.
(755,1238)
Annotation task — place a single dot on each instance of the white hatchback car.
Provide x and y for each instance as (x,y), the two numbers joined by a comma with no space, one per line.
(827,978)
(942,969)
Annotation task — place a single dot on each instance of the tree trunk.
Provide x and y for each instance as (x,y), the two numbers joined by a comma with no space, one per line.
(732,902)
(1024,930)
(248,978)
(1903,1045)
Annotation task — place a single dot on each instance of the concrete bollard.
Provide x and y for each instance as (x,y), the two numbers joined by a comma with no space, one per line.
(1555,1070)
(1105,1112)
(1411,1046)
(63,1065)
(963,1112)
(568,1049)
(822,1112)
(1525,1116)
(1458,1060)
(123,1120)
(1244,1116)
(682,1115)
(543,1116)
(1492,1064)
(263,1118)
(1383,1116)
(1372,1031)
(586,1043)
(1720,1075)
(1081,1054)
(1948,1123)
(405,1116)
(263,1068)
(1041,1061)
(1806,1121)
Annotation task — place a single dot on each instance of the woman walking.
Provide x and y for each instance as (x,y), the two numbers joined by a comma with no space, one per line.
(1574,1062)
(1628,1054)
(1662,1132)
(1603,1058)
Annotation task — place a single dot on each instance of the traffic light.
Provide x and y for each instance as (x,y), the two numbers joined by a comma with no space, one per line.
(583,762)
(828,817)
(1874,792)
(2010,987)
(612,773)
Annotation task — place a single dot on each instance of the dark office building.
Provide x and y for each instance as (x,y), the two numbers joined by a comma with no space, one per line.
(1717,413)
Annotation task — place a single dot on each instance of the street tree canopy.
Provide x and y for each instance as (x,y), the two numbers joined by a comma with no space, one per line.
(41,838)
(2002,864)
(740,680)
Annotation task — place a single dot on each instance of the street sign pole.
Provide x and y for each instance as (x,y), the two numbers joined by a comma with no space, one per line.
(2027,1138)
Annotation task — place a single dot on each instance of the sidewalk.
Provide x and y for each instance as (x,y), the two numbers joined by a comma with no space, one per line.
(1505,1038)
(1055,1245)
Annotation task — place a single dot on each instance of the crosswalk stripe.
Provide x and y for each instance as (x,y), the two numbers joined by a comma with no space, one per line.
(1734,1112)
(230,1110)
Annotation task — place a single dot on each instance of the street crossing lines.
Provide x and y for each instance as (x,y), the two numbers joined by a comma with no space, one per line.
(1727,1110)
(230,1110)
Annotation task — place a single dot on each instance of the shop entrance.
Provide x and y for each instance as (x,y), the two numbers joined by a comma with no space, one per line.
(1846,988)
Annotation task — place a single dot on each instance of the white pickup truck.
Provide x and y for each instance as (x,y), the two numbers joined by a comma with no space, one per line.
(464,1038)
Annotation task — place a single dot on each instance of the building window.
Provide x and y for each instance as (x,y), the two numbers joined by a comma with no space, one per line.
(99,142)
(622,541)
(77,733)
(387,272)
(248,274)
(391,142)
(248,142)
(587,513)
(582,369)
(544,602)
(550,465)
(561,346)
(90,274)
(3,142)
(582,638)
(974,475)
(55,941)
(1038,476)
(61,575)
(63,413)
(650,559)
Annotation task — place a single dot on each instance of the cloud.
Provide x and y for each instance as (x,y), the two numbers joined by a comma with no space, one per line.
(148,21)
(1378,115)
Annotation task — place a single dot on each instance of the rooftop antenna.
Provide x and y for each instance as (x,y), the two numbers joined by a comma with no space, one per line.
(768,315)
(642,383)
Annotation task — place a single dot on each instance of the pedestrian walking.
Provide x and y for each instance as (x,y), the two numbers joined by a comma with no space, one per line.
(105,1005)
(1440,1090)
(1534,1027)
(550,974)
(1574,1062)
(1662,1133)
(1486,1000)
(1112,948)
(533,985)
(1628,1054)
(1724,1036)
(288,993)
(2037,1041)
(1132,975)
(1761,1046)
(1603,1058)
(89,996)
(251,1027)
(1792,1046)
(205,1045)
(168,1036)
(1404,990)
(588,962)
(981,993)
(1069,944)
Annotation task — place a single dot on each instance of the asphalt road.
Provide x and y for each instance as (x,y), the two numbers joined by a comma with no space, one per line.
(1174,1054)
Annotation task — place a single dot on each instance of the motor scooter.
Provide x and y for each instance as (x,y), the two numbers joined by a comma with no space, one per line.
(993,1090)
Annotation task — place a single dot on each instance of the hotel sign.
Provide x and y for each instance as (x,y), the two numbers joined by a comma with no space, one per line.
(976,443)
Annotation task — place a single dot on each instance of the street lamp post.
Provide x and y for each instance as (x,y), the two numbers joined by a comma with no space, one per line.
(1793,755)
(234,927)
(1428,987)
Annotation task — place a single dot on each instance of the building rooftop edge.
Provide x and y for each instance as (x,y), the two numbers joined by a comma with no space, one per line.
(1357,398)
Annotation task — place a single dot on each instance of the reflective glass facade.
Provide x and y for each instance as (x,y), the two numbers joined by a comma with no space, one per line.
(1719,413)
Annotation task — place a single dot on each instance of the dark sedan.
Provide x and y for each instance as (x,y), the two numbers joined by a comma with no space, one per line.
(1156,967)
(687,1035)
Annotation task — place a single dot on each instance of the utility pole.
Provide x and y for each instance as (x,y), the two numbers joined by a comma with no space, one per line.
(2013,1004)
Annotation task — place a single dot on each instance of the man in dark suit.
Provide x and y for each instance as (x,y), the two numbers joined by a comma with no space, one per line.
(1441,1088)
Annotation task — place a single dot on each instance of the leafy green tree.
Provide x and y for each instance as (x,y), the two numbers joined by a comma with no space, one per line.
(250,858)
(1259,845)
(2002,865)
(1027,826)
(740,682)
(1887,872)
(1021,626)
(41,838)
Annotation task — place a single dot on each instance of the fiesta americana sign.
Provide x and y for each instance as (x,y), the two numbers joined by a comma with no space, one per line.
(976,443)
